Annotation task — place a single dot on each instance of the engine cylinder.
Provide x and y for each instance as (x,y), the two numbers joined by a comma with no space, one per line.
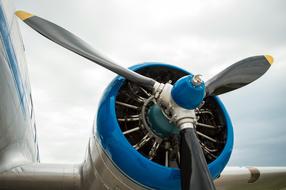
(135,136)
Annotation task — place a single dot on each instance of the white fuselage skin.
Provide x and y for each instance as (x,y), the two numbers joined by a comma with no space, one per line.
(18,139)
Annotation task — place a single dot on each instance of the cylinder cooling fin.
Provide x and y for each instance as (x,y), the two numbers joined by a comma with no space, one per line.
(142,141)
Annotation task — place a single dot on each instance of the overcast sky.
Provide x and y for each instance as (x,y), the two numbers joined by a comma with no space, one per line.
(200,36)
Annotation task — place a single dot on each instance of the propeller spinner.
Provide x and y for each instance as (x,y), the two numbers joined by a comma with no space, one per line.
(180,100)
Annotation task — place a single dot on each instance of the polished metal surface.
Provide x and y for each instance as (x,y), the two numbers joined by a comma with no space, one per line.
(18,139)
(42,176)
(99,172)
(197,80)
(237,178)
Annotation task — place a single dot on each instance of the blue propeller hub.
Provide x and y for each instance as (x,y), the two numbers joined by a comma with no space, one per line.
(189,91)
(160,124)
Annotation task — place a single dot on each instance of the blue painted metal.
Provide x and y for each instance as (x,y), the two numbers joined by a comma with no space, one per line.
(138,168)
(186,94)
(160,124)
(12,60)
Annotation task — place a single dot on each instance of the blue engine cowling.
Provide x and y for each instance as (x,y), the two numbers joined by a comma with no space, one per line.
(133,163)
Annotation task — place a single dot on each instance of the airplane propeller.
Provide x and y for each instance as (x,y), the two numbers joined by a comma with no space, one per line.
(194,169)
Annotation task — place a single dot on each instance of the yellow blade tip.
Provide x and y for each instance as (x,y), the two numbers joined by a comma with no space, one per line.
(269,59)
(23,15)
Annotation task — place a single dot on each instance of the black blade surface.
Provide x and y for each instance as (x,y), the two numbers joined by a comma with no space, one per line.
(68,40)
(195,174)
(238,75)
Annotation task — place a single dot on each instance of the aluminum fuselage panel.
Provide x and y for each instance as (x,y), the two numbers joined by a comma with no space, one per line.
(18,141)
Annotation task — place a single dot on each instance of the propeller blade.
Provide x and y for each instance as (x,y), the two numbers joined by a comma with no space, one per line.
(195,174)
(238,75)
(69,41)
